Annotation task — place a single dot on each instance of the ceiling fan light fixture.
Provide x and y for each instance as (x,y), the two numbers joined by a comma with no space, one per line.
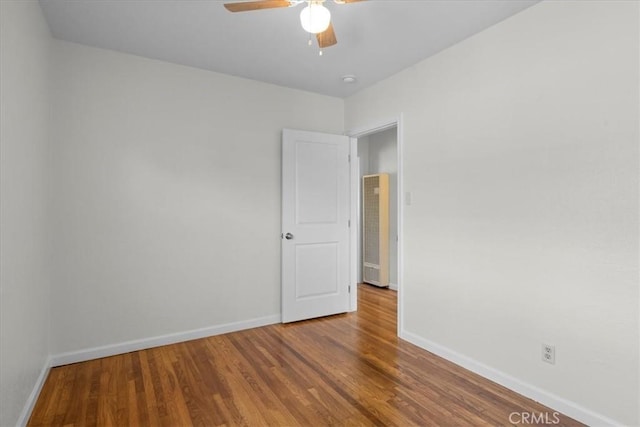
(315,18)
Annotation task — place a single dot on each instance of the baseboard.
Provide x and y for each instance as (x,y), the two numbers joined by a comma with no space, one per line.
(393,286)
(23,419)
(544,397)
(129,346)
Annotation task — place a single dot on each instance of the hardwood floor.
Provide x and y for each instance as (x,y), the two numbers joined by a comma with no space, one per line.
(348,369)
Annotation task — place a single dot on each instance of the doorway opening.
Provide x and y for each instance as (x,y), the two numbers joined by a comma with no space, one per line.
(378,256)
(378,150)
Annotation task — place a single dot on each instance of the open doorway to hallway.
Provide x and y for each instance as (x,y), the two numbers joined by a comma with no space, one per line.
(378,154)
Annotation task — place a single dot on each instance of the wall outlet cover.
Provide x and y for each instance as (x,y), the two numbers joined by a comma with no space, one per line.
(549,353)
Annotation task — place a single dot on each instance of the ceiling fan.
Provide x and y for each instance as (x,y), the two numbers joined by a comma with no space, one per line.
(315,18)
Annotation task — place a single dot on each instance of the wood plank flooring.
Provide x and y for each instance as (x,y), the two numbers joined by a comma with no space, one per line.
(346,370)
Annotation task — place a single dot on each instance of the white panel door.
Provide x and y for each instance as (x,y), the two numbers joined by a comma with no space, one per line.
(315,225)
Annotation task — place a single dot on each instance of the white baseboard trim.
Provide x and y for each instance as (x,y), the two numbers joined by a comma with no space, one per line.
(393,286)
(23,419)
(544,397)
(141,344)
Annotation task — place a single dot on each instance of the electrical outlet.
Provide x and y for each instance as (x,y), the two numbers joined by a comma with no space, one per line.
(549,353)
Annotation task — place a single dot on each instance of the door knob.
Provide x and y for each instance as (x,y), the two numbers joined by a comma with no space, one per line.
(288,236)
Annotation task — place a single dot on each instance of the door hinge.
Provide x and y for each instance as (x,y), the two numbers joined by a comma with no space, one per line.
(349,223)
(349,158)
(349,288)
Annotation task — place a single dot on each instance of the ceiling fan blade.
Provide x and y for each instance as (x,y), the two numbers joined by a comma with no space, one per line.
(327,37)
(256,5)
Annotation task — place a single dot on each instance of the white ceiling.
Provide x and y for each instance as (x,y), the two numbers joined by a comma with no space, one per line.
(376,38)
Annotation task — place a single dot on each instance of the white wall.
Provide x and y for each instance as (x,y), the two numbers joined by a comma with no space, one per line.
(24,280)
(521,151)
(383,158)
(167,184)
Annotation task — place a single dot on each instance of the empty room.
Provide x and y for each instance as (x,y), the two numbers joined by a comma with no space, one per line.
(325,212)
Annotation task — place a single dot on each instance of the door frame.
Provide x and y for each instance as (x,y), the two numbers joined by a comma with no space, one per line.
(354,134)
